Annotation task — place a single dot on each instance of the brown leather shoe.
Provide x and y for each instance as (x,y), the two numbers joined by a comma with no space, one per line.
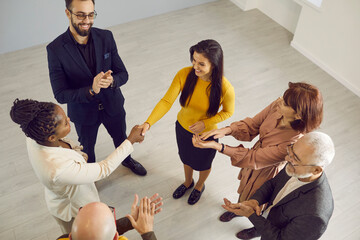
(249,233)
(227,216)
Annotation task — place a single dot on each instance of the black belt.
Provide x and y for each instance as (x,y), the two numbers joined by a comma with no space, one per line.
(100,107)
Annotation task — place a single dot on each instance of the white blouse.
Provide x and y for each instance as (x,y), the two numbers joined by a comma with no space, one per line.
(68,178)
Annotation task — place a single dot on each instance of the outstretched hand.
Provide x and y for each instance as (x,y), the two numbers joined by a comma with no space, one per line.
(199,143)
(216,133)
(246,208)
(135,135)
(144,128)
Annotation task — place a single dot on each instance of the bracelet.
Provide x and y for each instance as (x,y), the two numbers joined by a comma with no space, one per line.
(222,148)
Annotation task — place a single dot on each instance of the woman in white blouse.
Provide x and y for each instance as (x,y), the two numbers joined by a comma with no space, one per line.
(59,163)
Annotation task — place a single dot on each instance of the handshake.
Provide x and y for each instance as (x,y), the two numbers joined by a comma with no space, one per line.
(137,134)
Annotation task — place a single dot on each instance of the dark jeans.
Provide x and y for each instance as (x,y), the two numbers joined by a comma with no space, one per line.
(115,126)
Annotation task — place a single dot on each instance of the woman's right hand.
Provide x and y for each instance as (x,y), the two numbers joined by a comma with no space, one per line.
(216,133)
(145,127)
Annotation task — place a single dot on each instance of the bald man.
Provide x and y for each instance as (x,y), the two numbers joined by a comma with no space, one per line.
(300,202)
(96,221)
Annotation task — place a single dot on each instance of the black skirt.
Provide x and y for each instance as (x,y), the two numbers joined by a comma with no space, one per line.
(198,159)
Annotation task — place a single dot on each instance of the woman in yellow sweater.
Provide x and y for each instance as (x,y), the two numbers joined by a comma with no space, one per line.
(203,90)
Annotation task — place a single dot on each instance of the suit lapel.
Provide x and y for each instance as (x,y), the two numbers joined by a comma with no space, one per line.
(98,50)
(303,189)
(72,50)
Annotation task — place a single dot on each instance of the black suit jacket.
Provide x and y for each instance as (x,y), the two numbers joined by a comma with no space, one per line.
(71,78)
(302,214)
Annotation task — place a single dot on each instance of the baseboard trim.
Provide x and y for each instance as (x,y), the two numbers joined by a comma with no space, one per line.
(326,68)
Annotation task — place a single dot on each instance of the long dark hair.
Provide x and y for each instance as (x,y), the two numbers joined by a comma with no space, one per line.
(36,119)
(307,101)
(211,50)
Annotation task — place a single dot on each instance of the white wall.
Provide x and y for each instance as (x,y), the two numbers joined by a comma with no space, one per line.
(246,5)
(328,35)
(331,39)
(26,23)
(284,12)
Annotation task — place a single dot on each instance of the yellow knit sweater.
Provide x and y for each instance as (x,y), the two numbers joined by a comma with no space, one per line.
(196,109)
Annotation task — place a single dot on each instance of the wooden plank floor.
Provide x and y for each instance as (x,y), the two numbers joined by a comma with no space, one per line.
(259,62)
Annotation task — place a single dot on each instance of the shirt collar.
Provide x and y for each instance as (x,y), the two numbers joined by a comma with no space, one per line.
(78,44)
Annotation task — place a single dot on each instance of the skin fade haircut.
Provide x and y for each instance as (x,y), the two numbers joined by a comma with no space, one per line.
(68,3)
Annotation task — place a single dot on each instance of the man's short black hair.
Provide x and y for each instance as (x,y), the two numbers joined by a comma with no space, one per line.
(68,3)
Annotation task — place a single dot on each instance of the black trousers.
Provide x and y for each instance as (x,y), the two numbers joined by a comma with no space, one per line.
(115,126)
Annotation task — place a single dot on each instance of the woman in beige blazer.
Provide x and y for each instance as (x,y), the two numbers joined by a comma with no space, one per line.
(59,163)
(280,124)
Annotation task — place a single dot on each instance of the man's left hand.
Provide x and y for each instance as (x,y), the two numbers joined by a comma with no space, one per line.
(145,219)
(155,199)
(240,209)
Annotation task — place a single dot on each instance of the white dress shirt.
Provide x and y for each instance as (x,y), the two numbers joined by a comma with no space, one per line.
(292,184)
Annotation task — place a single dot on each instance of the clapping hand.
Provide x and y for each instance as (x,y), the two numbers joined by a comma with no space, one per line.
(108,79)
(102,80)
(142,216)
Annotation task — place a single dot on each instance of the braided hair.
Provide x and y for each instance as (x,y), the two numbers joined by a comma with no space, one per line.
(36,119)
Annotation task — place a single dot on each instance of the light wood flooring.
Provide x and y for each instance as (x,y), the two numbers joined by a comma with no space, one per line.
(259,62)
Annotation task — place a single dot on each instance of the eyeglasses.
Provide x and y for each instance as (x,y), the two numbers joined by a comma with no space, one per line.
(295,157)
(81,16)
(112,209)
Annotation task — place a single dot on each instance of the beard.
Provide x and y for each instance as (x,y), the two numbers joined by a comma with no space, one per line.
(290,171)
(82,33)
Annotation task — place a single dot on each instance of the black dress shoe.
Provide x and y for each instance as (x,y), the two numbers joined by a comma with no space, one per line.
(249,233)
(227,216)
(134,166)
(195,196)
(181,190)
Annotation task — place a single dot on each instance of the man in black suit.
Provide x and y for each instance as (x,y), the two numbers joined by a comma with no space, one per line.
(299,198)
(86,72)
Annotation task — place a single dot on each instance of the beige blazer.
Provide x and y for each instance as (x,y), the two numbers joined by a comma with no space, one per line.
(68,179)
(267,157)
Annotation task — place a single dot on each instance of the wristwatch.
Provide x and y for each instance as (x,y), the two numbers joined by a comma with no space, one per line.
(92,92)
